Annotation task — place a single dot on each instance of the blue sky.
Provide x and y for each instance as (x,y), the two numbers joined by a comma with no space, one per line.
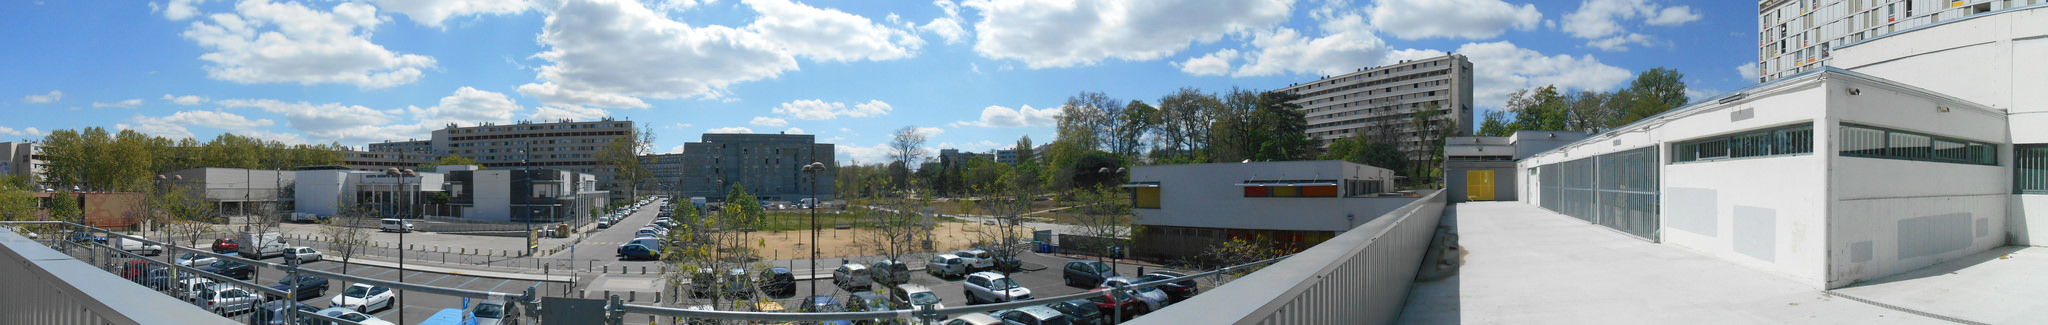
(973,75)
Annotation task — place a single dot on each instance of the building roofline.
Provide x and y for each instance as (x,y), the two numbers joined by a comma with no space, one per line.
(1945,22)
(1816,75)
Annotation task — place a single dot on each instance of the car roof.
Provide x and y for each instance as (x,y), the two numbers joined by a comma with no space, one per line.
(948,256)
(867,295)
(778,269)
(1042,312)
(853,266)
(988,274)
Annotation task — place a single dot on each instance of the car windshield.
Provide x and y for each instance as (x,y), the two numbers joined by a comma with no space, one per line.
(1001,283)
(189,256)
(830,308)
(490,311)
(356,292)
(221,263)
(353,317)
(207,292)
(877,304)
(924,298)
(1099,267)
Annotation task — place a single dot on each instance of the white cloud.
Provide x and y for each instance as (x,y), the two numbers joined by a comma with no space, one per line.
(336,122)
(286,138)
(1060,33)
(468,106)
(1004,117)
(550,113)
(215,119)
(1747,71)
(27,132)
(1214,64)
(681,126)
(432,13)
(1697,94)
(53,96)
(606,53)
(768,121)
(676,149)
(735,129)
(131,103)
(866,155)
(1347,44)
(814,109)
(1502,67)
(264,42)
(828,34)
(187,100)
(154,127)
(1469,19)
(680,5)
(178,9)
(1600,22)
(930,133)
(794,131)
(947,27)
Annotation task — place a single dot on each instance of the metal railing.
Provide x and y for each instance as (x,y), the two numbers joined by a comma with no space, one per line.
(1360,277)
(46,286)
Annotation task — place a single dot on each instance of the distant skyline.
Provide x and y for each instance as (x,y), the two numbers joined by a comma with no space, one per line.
(974,75)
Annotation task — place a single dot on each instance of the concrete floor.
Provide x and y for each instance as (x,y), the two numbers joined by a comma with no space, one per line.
(1999,286)
(1526,265)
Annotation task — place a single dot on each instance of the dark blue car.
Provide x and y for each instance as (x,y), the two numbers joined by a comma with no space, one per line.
(823,304)
(638,252)
(301,287)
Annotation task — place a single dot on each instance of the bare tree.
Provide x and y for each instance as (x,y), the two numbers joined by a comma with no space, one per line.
(906,147)
(1099,213)
(346,234)
(896,228)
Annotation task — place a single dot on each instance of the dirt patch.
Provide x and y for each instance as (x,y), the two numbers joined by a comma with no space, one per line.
(844,243)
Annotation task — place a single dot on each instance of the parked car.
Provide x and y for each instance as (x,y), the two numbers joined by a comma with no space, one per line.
(353,316)
(225,299)
(301,255)
(603,223)
(135,270)
(274,313)
(889,272)
(1034,315)
(1175,291)
(363,298)
(394,225)
(159,278)
(1009,263)
(1081,312)
(1109,302)
(1086,274)
(226,245)
(489,312)
(138,247)
(194,259)
(638,252)
(650,242)
(778,282)
(977,259)
(869,301)
(1152,296)
(230,269)
(189,287)
(301,287)
(992,287)
(909,296)
(823,304)
(703,284)
(946,265)
(852,275)
(973,319)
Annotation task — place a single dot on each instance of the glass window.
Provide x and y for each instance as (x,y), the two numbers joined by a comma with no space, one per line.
(2030,168)
(1789,140)
(1875,142)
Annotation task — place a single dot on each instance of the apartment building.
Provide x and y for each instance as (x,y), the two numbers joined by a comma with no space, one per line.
(1381,101)
(770,166)
(1007,156)
(565,145)
(954,158)
(415,145)
(381,160)
(24,159)
(1798,35)
(667,170)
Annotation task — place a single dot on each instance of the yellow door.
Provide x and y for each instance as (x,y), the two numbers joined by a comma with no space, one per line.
(1479,185)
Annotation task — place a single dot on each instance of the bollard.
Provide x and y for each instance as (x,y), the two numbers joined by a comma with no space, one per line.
(643,270)
(607,269)
(632,295)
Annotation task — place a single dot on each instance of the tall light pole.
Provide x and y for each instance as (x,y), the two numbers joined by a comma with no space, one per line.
(812,170)
(401,174)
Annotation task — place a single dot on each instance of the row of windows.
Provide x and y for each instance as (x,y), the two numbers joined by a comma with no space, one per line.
(1790,140)
(2030,168)
(1875,142)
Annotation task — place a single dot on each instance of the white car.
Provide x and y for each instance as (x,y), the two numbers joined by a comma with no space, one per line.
(852,275)
(394,225)
(1152,296)
(190,287)
(945,265)
(363,298)
(977,259)
(224,299)
(489,312)
(992,287)
(195,260)
(353,316)
(301,254)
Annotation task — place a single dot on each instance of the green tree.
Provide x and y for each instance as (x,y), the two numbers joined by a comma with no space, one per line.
(1359,149)
(1025,154)
(621,156)
(1282,130)
(1131,125)
(1496,125)
(1652,92)
(1087,118)
(64,207)
(1542,109)
(1184,119)
(16,203)
(453,160)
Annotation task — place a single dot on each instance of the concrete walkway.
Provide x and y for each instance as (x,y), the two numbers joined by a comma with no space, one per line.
(562,277)
(1526,265)
(2001,286)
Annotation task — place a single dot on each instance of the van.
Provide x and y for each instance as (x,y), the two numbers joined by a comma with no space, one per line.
(137,246)
(394,225)
(261,245)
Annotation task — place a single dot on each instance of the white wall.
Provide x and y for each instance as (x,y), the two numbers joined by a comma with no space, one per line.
(1763,212)
(493,200)
(320,192)
(1207,195)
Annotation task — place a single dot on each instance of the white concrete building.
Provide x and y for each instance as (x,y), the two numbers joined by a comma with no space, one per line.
(537,195)
(1800,35)
(327,191)
(1381,101)
(1184,209)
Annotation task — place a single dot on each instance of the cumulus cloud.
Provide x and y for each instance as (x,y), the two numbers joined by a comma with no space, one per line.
(187,100)
(131,103)
(828,34)
(735,129)
(948,26)
(177,9)
(676,149)
(866,155)
(550,113)
(1056,33)
(1502,67)
(335,121)
(264,42)
(468,106)
(432,13)
(794,131)
(1347,44)
(52,96)
(1469,19)
(768,121)
(27,132)
(814,109)
(930,133)
(1600,22)
(681,126)
(1747,71)
(215,119)
(1004,117)
(1214,64)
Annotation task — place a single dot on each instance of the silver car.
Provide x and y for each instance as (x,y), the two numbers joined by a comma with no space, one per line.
(225,300)
(946,265)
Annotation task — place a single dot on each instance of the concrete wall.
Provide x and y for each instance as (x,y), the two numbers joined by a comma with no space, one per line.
(321,192)
(1764,212)
(1207,196)
(493,201)
(1893,216)
(1504,187)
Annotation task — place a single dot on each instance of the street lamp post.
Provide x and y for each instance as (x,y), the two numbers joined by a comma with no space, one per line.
(812,170)
(1116,252)
(402,174)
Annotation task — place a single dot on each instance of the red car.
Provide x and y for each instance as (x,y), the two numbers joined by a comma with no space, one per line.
(134,270)
(224,245)
(1130,305)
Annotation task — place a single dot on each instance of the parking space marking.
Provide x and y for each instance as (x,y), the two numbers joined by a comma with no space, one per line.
(373,276)
(466,283)
(330,267)
(443,276)
(500,284)
(414,274)
(388,311)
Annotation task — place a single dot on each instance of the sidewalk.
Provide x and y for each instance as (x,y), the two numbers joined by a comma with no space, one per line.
(1527,265)
(465,272)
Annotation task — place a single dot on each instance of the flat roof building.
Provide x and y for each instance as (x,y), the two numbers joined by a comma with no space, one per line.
(770,166)
(565,145)
(1378,102)
(1186,209)
(23,159)
(1483,168)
